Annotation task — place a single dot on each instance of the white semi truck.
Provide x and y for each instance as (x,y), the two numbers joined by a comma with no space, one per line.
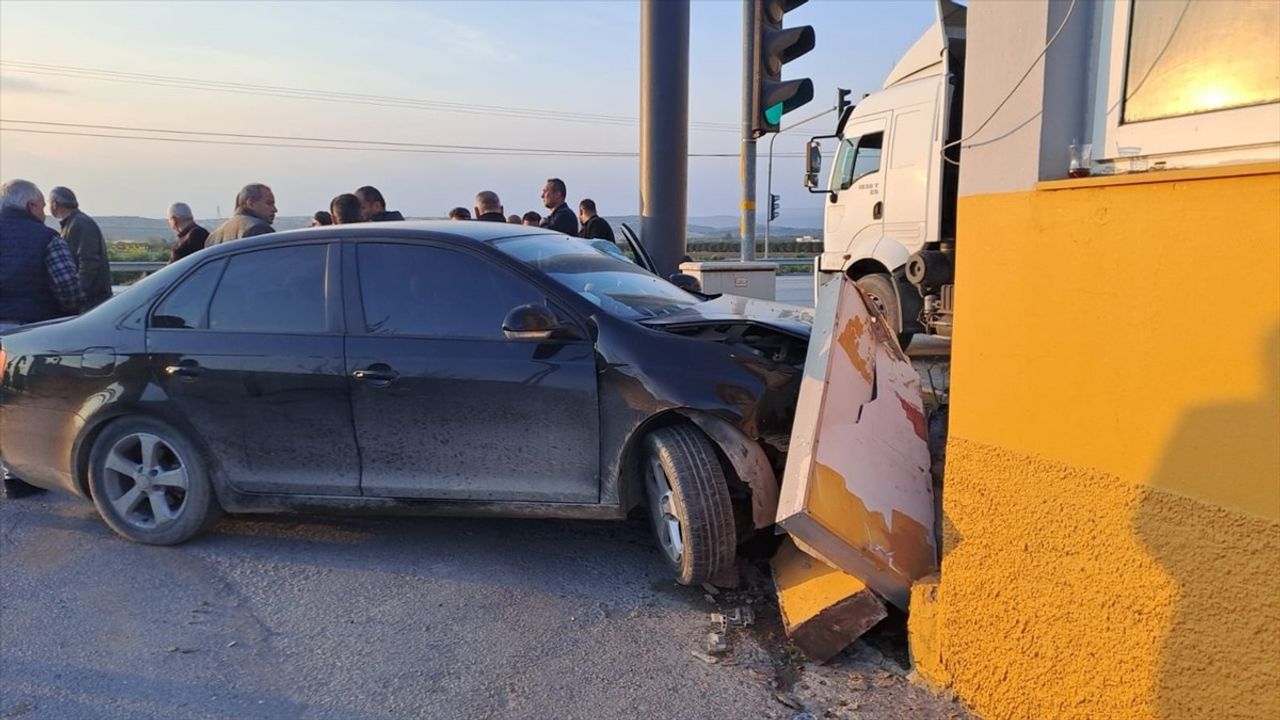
(889,222)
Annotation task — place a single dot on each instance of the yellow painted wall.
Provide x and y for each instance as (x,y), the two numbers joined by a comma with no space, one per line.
(1112,492)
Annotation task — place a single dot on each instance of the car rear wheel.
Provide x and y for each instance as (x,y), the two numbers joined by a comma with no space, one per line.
(689,505)
(149,483)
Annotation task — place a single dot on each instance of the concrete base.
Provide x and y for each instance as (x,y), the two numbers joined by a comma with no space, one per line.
(748,279)
(823,609)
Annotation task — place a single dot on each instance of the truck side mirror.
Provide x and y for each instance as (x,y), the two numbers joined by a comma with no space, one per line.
(813,164)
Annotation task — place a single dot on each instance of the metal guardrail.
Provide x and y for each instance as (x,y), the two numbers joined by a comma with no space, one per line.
(789,261)
(136,265)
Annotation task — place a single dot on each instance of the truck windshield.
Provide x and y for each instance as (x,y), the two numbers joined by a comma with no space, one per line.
(606,278)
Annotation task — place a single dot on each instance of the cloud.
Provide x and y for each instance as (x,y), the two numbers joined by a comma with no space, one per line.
(17,84)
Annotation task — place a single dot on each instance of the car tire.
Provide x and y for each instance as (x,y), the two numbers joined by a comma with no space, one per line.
(689,507)
(149,482)
(879,286)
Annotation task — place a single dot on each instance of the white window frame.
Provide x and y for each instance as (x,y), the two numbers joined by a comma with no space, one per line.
(1245,134)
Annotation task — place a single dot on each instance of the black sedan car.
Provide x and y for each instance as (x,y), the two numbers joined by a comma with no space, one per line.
(461,368)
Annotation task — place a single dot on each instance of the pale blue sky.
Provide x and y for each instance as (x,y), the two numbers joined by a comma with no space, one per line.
(570,57)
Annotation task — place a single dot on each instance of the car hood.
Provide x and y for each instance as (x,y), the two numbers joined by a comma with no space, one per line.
(789,319)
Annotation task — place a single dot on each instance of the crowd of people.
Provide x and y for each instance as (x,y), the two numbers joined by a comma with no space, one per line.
(47,273)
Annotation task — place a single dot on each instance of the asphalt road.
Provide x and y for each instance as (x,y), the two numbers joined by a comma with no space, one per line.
(407,618)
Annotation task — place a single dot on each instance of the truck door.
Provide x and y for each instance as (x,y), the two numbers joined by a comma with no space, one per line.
(858,188)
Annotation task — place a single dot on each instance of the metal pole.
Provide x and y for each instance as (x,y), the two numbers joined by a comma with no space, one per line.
(747,169)
(664,130)
(768,213)
(768,218)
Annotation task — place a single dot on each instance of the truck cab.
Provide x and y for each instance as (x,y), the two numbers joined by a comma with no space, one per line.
(891,186)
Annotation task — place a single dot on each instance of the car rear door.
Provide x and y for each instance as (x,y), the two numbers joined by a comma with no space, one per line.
(445,406)
(249,349)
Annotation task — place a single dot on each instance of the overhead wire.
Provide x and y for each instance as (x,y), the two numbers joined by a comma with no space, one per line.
(309,143)
(70,71)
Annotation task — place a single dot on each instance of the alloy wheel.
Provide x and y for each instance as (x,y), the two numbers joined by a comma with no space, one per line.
(146,481)
(666,523)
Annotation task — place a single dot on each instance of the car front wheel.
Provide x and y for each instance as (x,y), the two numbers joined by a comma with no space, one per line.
(689,505)
(149,483)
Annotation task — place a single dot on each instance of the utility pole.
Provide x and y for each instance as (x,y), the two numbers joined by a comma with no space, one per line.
(664,130)
(747,161)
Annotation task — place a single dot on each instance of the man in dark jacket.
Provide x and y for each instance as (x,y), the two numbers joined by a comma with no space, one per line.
(255,211)
(489,207)
(374,207)
(191,236)
(594,227)
(88,247)
(38,278)
(345,209)
(561,218)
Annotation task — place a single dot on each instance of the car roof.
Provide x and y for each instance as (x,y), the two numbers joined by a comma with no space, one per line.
(463,231)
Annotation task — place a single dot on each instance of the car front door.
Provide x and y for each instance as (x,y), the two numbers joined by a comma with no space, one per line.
(249,349)
(447,407)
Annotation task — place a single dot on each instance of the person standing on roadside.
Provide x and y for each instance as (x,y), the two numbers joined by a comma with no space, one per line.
(561,218)
(346,209)
(38,279)
(514,219)
(255,211)
(489,207)
(320,218)
(459,213)
(532,219)
(191,236)
(594,227)
(374,207)
(84,239)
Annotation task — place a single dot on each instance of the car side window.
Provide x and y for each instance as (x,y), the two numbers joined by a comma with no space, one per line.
(187,306)
(277,290)
(437,292)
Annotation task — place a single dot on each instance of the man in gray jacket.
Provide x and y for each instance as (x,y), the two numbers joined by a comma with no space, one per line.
(255,211)
(84,239)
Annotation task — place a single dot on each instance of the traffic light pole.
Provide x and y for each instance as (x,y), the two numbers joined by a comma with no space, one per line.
(664,130)
(768,217)
(747,162)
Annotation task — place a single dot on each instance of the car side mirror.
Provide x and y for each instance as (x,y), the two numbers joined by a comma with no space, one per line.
(685,282)
(535,322)
(813,164)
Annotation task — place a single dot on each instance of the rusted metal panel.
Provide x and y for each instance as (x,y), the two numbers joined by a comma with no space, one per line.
(857,491)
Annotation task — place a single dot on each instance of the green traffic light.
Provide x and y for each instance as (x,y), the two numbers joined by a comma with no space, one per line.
(773,114)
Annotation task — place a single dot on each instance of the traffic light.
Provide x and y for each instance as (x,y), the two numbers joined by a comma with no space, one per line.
(773,206)
(771,96)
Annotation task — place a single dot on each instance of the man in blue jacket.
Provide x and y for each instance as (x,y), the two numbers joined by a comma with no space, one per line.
(38,277)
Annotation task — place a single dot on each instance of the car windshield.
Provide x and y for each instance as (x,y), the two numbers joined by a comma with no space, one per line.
(608,279)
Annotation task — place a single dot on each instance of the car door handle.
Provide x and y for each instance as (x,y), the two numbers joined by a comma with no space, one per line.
(376,375)
(185,371)
(877,211)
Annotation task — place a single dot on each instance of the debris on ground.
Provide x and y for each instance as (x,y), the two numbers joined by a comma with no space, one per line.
(823,609)
(865,680)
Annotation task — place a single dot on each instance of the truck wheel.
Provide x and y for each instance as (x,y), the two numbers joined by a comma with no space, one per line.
(689,505)
(879,287)
(149,482)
